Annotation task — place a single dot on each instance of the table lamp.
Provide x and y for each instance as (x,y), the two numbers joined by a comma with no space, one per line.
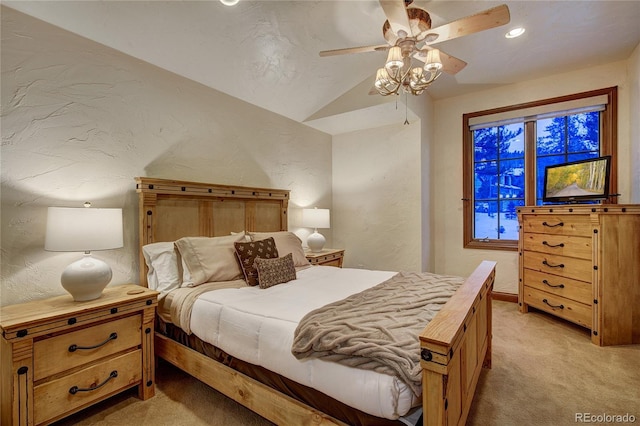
(84,229)
(316,218)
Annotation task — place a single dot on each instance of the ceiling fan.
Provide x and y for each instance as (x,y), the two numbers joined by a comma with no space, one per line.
(409,35)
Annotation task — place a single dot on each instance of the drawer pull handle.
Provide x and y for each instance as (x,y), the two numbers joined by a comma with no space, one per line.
(552,245)
(559,265)
(552,226)
(551,285)
(553,306)
(75,347)
(74,389)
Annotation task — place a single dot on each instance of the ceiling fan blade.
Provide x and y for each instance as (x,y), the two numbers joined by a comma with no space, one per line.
(396,14)
(490,18)
(380,47)
(450,64)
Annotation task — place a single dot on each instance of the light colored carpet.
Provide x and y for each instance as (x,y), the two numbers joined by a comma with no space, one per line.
(545,371)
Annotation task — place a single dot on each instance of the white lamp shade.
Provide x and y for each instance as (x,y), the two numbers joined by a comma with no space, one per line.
(394,59)
(83,229)
(316,218)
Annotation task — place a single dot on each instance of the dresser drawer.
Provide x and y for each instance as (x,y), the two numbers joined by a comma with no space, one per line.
(579,291)
(568,309)
(60,353)
(569,267)
(51,399)
(578,225)
(563,245)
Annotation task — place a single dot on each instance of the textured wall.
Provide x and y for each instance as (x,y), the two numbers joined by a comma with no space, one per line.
(377,197)
(80,121)
(450,256)
(634,128)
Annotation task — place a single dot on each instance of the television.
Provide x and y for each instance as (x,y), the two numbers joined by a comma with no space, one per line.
(582,180)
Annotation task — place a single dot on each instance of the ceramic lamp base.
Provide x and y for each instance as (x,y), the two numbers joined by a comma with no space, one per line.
(86,278)
(315,242)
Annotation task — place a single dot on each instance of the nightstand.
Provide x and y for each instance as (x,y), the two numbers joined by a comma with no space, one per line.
(60,356)
(327,257)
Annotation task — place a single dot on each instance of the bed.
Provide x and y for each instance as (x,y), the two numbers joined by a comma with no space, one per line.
(453,347)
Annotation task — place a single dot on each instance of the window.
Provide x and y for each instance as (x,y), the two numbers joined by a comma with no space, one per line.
(507,149)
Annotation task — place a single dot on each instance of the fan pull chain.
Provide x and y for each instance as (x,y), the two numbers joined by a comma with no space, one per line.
(406,109)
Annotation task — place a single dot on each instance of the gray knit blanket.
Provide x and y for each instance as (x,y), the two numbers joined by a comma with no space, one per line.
(378,328)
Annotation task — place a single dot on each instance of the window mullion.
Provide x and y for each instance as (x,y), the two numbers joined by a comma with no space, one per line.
(530,162)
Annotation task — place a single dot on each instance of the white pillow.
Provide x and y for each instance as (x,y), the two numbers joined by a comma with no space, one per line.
(162,260)
(247,238)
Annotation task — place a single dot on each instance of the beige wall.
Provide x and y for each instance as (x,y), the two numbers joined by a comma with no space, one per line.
(80,121)
(377,197)
(425,110)
(634,123)
(450,257)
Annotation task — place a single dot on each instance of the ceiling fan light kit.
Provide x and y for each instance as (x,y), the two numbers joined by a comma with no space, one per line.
(409,34)
(398,73)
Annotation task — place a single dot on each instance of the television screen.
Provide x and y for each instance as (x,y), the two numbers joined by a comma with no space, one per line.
(577,180)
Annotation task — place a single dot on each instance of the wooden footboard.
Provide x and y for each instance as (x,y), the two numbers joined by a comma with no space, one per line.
(454,347)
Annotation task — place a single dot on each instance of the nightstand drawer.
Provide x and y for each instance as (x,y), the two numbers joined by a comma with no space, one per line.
(333,262)
(70,350)
(56,397)
(326,257)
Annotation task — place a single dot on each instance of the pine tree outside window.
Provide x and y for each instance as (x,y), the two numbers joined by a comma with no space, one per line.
(507,149)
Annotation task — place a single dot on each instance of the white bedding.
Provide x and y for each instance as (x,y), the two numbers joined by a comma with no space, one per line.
(257,326)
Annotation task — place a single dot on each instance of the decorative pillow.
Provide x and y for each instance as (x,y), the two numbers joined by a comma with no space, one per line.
(286,242)
(209,259)
(162,260)
(275,271)
(248,252)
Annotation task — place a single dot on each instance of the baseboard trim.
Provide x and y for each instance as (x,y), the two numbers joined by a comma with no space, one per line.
(505,297)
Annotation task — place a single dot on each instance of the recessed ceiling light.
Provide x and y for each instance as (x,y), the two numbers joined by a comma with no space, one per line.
(516,32)
(229,2)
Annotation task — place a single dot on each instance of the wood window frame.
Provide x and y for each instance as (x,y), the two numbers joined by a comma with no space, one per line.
(609,146)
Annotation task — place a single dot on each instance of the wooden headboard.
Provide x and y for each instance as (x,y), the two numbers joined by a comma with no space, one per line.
(171,209)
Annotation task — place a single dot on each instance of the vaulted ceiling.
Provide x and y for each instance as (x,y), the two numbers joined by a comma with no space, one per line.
(266,52)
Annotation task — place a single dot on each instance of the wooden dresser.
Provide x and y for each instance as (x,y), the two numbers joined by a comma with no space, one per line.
(60,356)
(582,263)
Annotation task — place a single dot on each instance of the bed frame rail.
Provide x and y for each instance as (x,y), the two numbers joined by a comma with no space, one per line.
(257,397)
(455,346)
